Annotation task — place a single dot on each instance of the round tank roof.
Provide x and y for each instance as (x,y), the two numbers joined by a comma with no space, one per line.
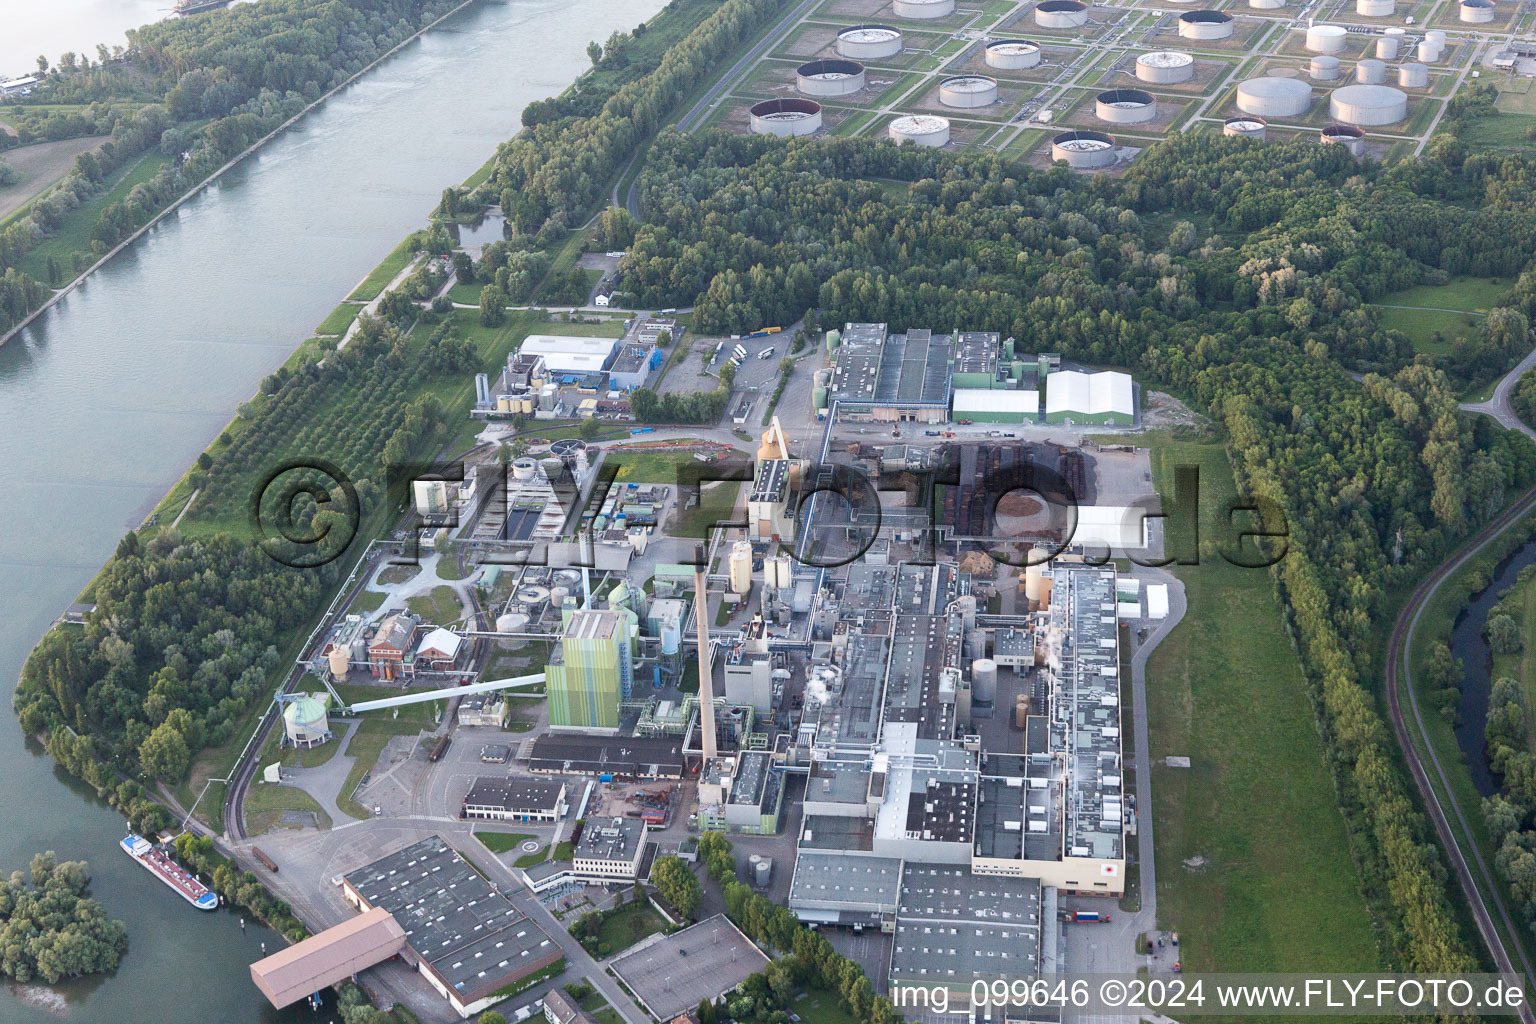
(919,124)
(1271,87)
(785,109)
(1206,17)
(1327,30)
(1063,6)
(830,68)
(1166,59)
(969,83)
(1013,46)
(1082,141)
(304,710)
(1343,131)
(1245,124)
(1125,98)
(869,34)
(1369,96)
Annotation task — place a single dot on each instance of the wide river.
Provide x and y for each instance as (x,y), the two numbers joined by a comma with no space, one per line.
(107,399)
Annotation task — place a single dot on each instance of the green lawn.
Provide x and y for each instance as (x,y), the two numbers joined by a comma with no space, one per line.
(1472,294)
(440,607)
(265,804)
(501,842)
(74,234)
(385,272)
(368,601)
(606,329)
(628,926)
(648,467)
(374,732)
(339,319)
(717,504)
(1423,325)
(820,1007)
(1253,864)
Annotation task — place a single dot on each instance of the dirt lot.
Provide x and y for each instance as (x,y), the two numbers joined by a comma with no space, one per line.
(39,166)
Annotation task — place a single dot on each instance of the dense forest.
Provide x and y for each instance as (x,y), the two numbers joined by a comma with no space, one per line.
(201,90)
(50,929)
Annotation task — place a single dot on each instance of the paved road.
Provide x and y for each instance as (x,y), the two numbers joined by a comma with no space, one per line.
(1399,682)
(1498,406)
(732,76)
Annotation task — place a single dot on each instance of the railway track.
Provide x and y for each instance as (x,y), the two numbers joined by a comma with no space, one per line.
(1399,680)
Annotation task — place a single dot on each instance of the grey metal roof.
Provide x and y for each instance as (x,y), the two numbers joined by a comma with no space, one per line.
(953,926)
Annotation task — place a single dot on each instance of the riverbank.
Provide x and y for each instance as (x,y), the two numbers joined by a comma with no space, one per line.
(191,193)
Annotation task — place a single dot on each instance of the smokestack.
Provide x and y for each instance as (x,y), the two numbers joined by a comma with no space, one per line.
(706,685)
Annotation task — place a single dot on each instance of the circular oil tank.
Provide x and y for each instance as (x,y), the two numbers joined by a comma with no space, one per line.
(1430,52)
(338,660)
(984,681)
(524,469)
(1266,5)
(1012,54)
(512,622)
(1084,149)
(1061,14)
(830,77)
(968,91)
(1476,12)
(1375,8)
(1368,105)
(1436,36)
(1325,39)
(786,117)
(1165,66)
(1125,106)
(920,130)
(1245,127)
(1274,97)
(922,10)
(1413,76)
(1205,25)
(1370,72)
(1324,69)
(1387,47)
(1351,138)
(865,42)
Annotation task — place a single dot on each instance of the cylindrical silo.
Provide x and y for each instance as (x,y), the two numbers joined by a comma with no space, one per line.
(762,872)
(831,77)
(1165,67)
(1084,149)
(968,91)
(1370,72)
(1248,127)
(1012,54)
(741,567)
(984,681)
(976,643)
(1021,712)
(1033,580)
(338,660)
(524,470)
(1125,106)
(1477,12)
(1386,47)
(786,116)
(1429,52)
(1061,14)
(1413,76)
(1266,5)
(1368,105)
(1205,25)
(1274,97)
(1351,138)
(869,42)
(1436,36)
(1375,8)
(920,130)
(1324,68)
(778,571)
(922,10)
(1325,39)
(511,622)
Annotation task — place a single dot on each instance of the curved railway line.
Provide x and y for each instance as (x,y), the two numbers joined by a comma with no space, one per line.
(1399,680)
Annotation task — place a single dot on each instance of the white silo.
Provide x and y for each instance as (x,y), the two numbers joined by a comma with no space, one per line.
(1326,38)
(762,872)
(1165,67)
(779,572)
(1012,54)
(968,91)
(305,723)
(1370,72)
(984,681)
(1436,36)
(976,644)
(1206,25)
(785,116)
(1061,14)
(1387,47)
(1274,97)
(1430,52)
(1413,76)
(1324,68)
(1125,106)
(1034,583)
(741,567)
(1247,127)
(1375,8)
(1266,5)
(920,130)
(512,622)
(869,42)
(1084,150)
(338,661)
(1368,105)
(524,470)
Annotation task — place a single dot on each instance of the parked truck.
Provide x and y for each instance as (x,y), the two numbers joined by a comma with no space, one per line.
(1084,917)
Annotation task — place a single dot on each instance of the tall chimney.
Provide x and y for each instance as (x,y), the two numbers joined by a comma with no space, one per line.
(706,684)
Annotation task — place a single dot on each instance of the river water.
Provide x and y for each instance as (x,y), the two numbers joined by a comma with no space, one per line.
(110,395)
(1471,648)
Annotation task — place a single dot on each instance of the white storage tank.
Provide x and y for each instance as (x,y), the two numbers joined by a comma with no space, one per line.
(1012,54)
(1477,12)
(786,116)
(1324,69)
(1387,47)
(512,622)
(1034,583)
(524,469)
(1206,25)
(1368,105)
(1351,138)
(1370,72)
(1375,8)
(1245,127)
(868,42)
(1436,36)
(831,77)
(305,723)
(762,872)
(1125,106)
(338,661)
(1164,67)
(1274,97)
(984,681)
(741,567)
(1326,39)
(1430,52)
(1084,149)
(1266,5)
(1061,14)
(922,10)
(968,91)
(1413,76)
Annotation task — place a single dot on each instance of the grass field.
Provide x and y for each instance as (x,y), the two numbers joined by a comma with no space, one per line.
(501,842)
(265,804)
(74,234)
(717,504)
(1470,294)
(339,319)
(385,272)
(439,607)
(1432,331)
(649,467)
(38,167)
(1253,864)
(627,927)
(818,1007)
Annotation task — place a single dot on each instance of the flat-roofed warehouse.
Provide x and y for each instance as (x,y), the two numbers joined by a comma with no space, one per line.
(676,973)
(332,956)
(892,378)
(639,756)
(509,799)
(954,928)
(564,355)
(466,939)
(838,889)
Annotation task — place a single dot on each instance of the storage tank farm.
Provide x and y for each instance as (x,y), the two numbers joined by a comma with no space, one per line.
(1387,47)
(1413,76)
(830,77)
(1324,68)
(869,42)
(1326,38)
(1246,127)
(922,10)
(1165,67)
(1206,25)
(1370,72)
(1266,5)
(1274,97)
(1012,54)
(1375,8)
(785,117)
(1125,106)
(1476,12)
(1348,136)
(968,91)
(919,130)
(1084,150)
(1060,14)
(1368,105)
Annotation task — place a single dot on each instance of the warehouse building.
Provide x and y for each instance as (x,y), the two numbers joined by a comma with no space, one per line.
(470,943)
(996,406)
(892,378)
(509,799)
(955,928)
(637,757)
(571,357)
(835,889)
(328,958)
(1072,396)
